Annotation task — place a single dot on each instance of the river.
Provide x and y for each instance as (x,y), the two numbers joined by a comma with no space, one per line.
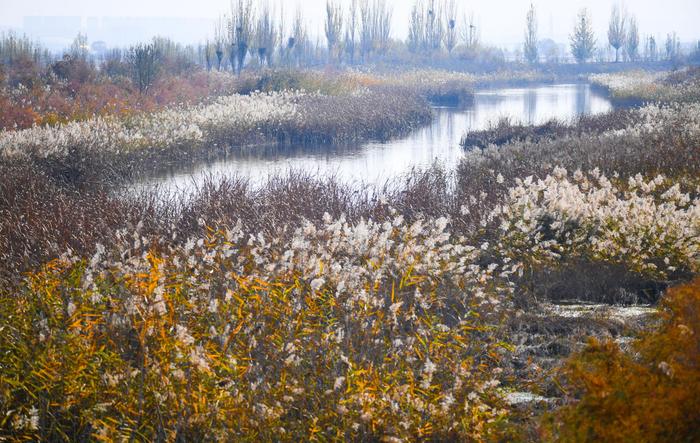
(375,162)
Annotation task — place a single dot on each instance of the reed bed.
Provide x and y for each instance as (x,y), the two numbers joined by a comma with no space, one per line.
(656,139)
(110,146)
(641,86)
(505,131)
(244,323)
(625,146)
(457,88)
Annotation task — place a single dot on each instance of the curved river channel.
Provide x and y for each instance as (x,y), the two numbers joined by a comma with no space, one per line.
(374,162)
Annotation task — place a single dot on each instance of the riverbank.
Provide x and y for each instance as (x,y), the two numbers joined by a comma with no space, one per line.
(281,107)
(105,149)
(635,87)
(375,163)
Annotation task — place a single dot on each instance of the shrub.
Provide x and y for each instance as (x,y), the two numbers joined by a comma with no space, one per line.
(647,396)
(74,70)
(651,227)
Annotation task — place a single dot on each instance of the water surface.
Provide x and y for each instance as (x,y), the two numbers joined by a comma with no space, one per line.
(375,163)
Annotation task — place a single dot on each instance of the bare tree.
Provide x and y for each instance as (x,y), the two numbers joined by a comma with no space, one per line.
(433,26)
(333,27)
(416,30)
(174,57)
(265,36)
(695,54)
(426,30)
(219,40)
(299,41)
(208,54)
(282,38)
(351,31)
(470,34)
(374,27)
(241,31)
(616,30)
(530,45)
(583,40)
(650,49)
(673,46)
(382,26)
(450,25)
(366,29)
(632,41)
(14,48)
(144,61)
(79,49)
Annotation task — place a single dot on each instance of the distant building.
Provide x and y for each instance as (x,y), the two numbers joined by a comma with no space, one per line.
(99,48)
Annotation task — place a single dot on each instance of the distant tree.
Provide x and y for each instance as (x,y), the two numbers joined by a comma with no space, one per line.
(265,36)
(205,56)
(174,57)
(616,30)
(450,25)
(351,31)
(79,49)
(550,50)
(530,45)
(416,30)
(601,54)
(433,26)
(673,46)
(281,33)
(299,41)
(650,49)
(240,31)
(220,42)
(366,29)
(382,26)
(583,40)
(144,61)
(632,41)
(333,28)
(209,53)
(426,30)
(470,34)
(115,64)
(14,49)
(695,54)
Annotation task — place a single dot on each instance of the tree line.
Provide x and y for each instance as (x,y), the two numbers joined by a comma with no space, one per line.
(622,36)
(354,32)
(361,32)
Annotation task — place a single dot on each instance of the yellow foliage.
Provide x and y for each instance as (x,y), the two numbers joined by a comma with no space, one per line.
(157,350)
(649,395)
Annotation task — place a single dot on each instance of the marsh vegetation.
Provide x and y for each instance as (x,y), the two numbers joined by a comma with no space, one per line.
(542,286)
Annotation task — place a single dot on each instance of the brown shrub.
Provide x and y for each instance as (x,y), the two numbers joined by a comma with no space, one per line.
(651,395)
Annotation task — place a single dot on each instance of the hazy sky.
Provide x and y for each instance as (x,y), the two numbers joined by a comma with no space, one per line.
(501,21)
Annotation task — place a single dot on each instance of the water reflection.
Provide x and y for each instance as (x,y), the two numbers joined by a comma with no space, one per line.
(377,162)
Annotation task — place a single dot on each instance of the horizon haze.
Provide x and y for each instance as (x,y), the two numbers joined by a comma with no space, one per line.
(189,23)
